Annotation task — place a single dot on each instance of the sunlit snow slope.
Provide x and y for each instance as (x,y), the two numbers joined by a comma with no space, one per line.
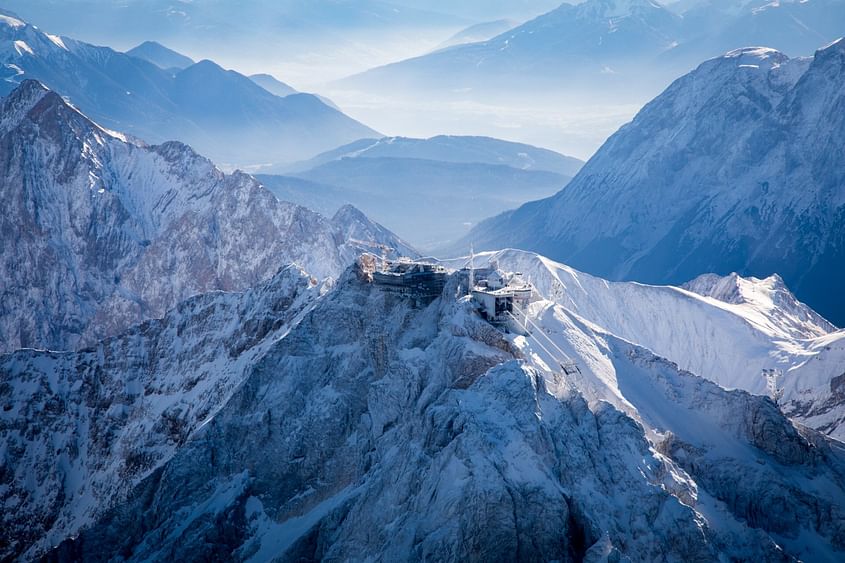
(737,167)
(727,329)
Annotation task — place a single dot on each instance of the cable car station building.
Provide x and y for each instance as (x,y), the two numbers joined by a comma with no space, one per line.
(501,297)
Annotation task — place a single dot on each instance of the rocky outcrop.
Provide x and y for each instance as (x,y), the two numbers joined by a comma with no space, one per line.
(377,429)
(80,430)
(100,232)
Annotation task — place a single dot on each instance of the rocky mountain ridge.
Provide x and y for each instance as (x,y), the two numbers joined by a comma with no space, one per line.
(441,415)
(361,425)
(725,329)
(736,167)
(101,231)
(221,113)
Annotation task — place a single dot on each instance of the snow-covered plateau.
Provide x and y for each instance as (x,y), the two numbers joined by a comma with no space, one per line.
(304,421)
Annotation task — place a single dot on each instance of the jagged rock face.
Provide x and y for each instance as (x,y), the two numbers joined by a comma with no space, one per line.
(374,429)
(79,430)
(736,167)
(770,295)
(100,232)
(740,452)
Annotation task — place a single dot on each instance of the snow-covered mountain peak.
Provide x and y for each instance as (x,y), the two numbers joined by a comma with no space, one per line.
(760,57)
(40,115)
(355,228)
(730,288)
(33,102)
(20,102)
(122,230)
(617,8)
(348,215)
(760,68)
(11,21)
(769,296)
(594,28)
(22,40)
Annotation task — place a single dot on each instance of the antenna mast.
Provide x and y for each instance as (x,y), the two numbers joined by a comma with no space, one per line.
(471,269)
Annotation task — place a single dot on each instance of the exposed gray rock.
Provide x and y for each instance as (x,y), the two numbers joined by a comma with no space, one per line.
(80,429)
(100,232)
(376,429)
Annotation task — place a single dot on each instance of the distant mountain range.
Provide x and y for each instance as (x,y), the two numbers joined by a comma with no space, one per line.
(161,56)
(613,49)
(478,32)
(283,37)
(168,59)
(429,191)
(222,113)
(100,232)
(738,166)
(450,148)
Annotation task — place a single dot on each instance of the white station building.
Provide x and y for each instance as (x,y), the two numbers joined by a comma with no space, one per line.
(501,296)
